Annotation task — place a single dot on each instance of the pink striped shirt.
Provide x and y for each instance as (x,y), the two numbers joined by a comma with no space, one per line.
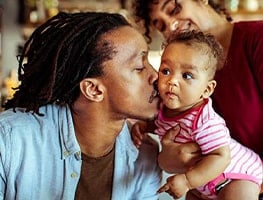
(205,127)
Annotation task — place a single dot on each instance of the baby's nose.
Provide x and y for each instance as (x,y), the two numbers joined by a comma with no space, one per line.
(173,82)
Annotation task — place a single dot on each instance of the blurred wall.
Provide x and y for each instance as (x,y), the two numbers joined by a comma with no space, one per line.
(11,36)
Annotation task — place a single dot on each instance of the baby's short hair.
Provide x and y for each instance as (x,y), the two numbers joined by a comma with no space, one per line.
(205,43)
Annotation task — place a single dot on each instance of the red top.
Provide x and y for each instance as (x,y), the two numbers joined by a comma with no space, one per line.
(238,96)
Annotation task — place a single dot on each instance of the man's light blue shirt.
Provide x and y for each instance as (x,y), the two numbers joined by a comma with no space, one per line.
(40,159)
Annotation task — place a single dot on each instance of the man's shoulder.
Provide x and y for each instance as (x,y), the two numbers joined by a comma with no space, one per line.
(19,121)
(15,118)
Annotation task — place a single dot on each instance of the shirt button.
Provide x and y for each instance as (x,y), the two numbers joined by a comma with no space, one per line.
(66,153)
(74,175)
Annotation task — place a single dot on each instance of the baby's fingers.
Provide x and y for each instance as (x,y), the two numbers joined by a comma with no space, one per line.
(164,188)
(137,141)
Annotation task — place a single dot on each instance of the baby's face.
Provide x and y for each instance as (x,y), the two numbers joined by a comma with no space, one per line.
(183,76)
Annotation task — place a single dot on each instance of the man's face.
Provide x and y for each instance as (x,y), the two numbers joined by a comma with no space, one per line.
(129,77)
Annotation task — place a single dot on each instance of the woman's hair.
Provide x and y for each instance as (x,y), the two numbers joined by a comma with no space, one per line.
(141,12)
(61,53)
(203,43)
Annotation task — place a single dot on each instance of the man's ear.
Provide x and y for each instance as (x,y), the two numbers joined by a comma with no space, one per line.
(209,89)
(92,89)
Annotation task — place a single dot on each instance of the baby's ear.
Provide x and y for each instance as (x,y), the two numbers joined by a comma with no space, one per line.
(92,89)
(209,89)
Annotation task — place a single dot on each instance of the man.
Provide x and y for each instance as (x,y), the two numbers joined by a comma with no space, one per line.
(64,134)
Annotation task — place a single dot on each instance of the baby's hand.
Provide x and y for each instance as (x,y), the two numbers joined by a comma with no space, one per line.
(138,131)
(176,186)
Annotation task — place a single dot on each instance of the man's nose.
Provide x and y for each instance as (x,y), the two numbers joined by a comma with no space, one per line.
(153,75)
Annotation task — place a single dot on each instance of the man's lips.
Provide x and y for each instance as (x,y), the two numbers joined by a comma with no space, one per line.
(153,95)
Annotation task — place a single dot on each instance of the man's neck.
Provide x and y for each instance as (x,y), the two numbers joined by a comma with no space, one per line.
(95,131)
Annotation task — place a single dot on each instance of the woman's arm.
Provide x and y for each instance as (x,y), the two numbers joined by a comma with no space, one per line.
(208,168)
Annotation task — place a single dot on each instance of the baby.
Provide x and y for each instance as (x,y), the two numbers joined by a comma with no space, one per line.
(186,83)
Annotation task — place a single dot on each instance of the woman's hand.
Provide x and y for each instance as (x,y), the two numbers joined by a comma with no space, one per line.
(177,157)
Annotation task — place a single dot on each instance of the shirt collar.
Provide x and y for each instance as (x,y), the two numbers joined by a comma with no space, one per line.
(69,143)
(125,142)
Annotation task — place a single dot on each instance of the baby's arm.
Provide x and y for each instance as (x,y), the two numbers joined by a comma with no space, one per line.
(209,167)
(139,129)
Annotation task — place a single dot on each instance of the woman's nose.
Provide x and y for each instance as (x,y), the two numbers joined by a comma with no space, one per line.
(171,26)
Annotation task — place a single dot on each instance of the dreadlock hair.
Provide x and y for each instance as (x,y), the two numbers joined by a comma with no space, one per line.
(59,54)
(141,12)
(205,43)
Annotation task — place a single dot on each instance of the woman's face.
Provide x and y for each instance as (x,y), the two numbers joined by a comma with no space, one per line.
(177,15)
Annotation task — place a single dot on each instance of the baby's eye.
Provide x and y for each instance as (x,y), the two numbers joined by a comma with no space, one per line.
(187,76)
(165,71)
